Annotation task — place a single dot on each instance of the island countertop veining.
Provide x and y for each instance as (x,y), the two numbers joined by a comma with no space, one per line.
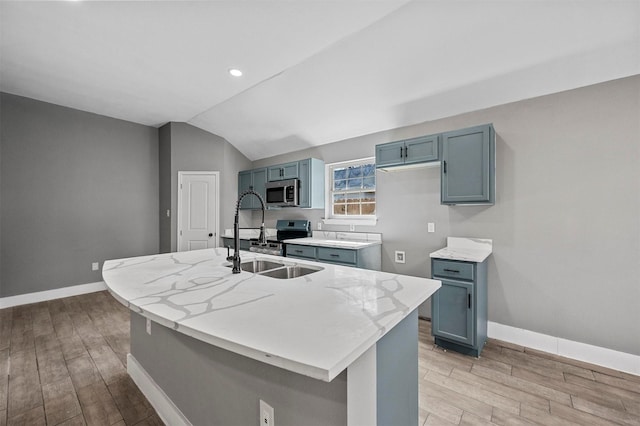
(316,325)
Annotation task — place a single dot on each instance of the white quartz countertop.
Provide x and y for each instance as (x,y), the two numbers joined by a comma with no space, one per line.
(316,325)
(319,242)
(466,249)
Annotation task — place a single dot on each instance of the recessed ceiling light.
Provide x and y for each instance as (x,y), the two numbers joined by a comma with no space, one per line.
(235,72)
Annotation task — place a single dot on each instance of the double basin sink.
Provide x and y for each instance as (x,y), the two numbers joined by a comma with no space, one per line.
(273,269)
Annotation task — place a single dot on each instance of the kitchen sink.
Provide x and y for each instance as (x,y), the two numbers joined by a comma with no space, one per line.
(258,265)
(270,268)
(292,271)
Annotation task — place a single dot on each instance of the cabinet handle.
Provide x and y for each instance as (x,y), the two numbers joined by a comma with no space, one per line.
(451,270)
(400,152)
(298,251)
(444,166)
(334,255)
(469,300)
(406,152)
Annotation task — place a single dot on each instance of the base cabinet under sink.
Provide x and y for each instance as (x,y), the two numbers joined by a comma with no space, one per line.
(459,307)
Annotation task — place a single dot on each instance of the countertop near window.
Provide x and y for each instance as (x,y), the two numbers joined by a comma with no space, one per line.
(348,240)
(465,249)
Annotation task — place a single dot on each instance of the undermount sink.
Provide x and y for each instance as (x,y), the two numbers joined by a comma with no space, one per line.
(270,268)
(259,265)
(288,272)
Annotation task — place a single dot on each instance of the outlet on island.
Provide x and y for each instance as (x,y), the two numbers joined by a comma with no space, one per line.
(95,266)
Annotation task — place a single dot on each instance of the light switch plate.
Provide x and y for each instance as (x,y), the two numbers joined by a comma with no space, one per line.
(431,227)
(400,257)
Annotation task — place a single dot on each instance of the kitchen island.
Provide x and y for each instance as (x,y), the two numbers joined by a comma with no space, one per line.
(337,346)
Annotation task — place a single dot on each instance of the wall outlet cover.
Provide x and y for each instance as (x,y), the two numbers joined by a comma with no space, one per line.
(95,266)
(431,227)
(266,414)
(400,256)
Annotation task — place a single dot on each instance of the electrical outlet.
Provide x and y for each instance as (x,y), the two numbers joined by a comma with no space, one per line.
(431,227)
(266,414)
(95,266)
(352,227)
(168,213)
(400,257)
(148,326)
(319,226)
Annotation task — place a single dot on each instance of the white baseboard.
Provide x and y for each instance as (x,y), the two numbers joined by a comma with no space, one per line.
(166,409)
(58,293)
(604,357)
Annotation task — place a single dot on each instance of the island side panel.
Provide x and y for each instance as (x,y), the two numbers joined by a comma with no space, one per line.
(397,374)
(216,387)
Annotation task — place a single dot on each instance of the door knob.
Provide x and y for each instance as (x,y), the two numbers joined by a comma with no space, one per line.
(210,234)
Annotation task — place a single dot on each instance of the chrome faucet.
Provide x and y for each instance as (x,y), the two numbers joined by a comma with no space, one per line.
(262,238)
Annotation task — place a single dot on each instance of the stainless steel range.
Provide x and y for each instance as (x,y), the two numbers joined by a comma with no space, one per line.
(286,229)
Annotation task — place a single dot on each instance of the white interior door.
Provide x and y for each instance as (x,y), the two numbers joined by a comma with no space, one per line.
(198,210)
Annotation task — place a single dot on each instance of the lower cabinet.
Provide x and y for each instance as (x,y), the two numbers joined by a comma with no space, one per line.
(459,307)
(366,257)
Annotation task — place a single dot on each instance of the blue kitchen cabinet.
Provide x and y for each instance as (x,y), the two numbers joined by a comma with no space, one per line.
(252,179)
(468,166)
(283,171)
(311,175)
(423,149)
(459,307)
(368,257)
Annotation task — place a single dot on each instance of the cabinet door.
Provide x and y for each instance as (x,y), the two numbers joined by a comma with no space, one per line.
(259,185)
(245,182)
(466,172)
(421,150)
(304,199)
(453,311)
(275,173)
(290,170)
(390,154)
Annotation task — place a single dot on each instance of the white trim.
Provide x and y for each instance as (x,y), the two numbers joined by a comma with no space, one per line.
(166,409)
(368,220)
(362,391)
(604,357)
(58,293)
(178,208)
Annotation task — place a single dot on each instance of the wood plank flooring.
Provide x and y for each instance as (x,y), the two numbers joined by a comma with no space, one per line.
(63,362)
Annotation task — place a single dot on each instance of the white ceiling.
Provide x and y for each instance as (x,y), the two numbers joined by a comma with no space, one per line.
(316,71)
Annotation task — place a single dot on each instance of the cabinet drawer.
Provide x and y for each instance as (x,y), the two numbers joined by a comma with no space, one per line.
(452,269)
(296,250)
(337,255)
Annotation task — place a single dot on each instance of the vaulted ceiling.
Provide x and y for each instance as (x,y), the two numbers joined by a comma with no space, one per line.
(315,71)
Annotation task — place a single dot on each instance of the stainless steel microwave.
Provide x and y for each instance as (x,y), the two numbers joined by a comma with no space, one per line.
(283,193)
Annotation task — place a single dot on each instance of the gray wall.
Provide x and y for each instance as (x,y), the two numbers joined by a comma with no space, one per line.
(565,226)
(187,148)
(76,188)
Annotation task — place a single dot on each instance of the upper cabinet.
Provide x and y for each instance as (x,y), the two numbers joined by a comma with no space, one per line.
(255,180)
(468,166)
(283,171)
(311,175)
(309,172)
(423,149)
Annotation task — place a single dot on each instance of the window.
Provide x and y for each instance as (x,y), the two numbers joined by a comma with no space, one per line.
(351,191)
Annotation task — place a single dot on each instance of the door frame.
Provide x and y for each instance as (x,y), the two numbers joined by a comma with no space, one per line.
(179,207)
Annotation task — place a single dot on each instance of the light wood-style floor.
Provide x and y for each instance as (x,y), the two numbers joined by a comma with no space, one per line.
(63,362)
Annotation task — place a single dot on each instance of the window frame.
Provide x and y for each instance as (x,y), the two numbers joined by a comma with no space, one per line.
(329,217)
